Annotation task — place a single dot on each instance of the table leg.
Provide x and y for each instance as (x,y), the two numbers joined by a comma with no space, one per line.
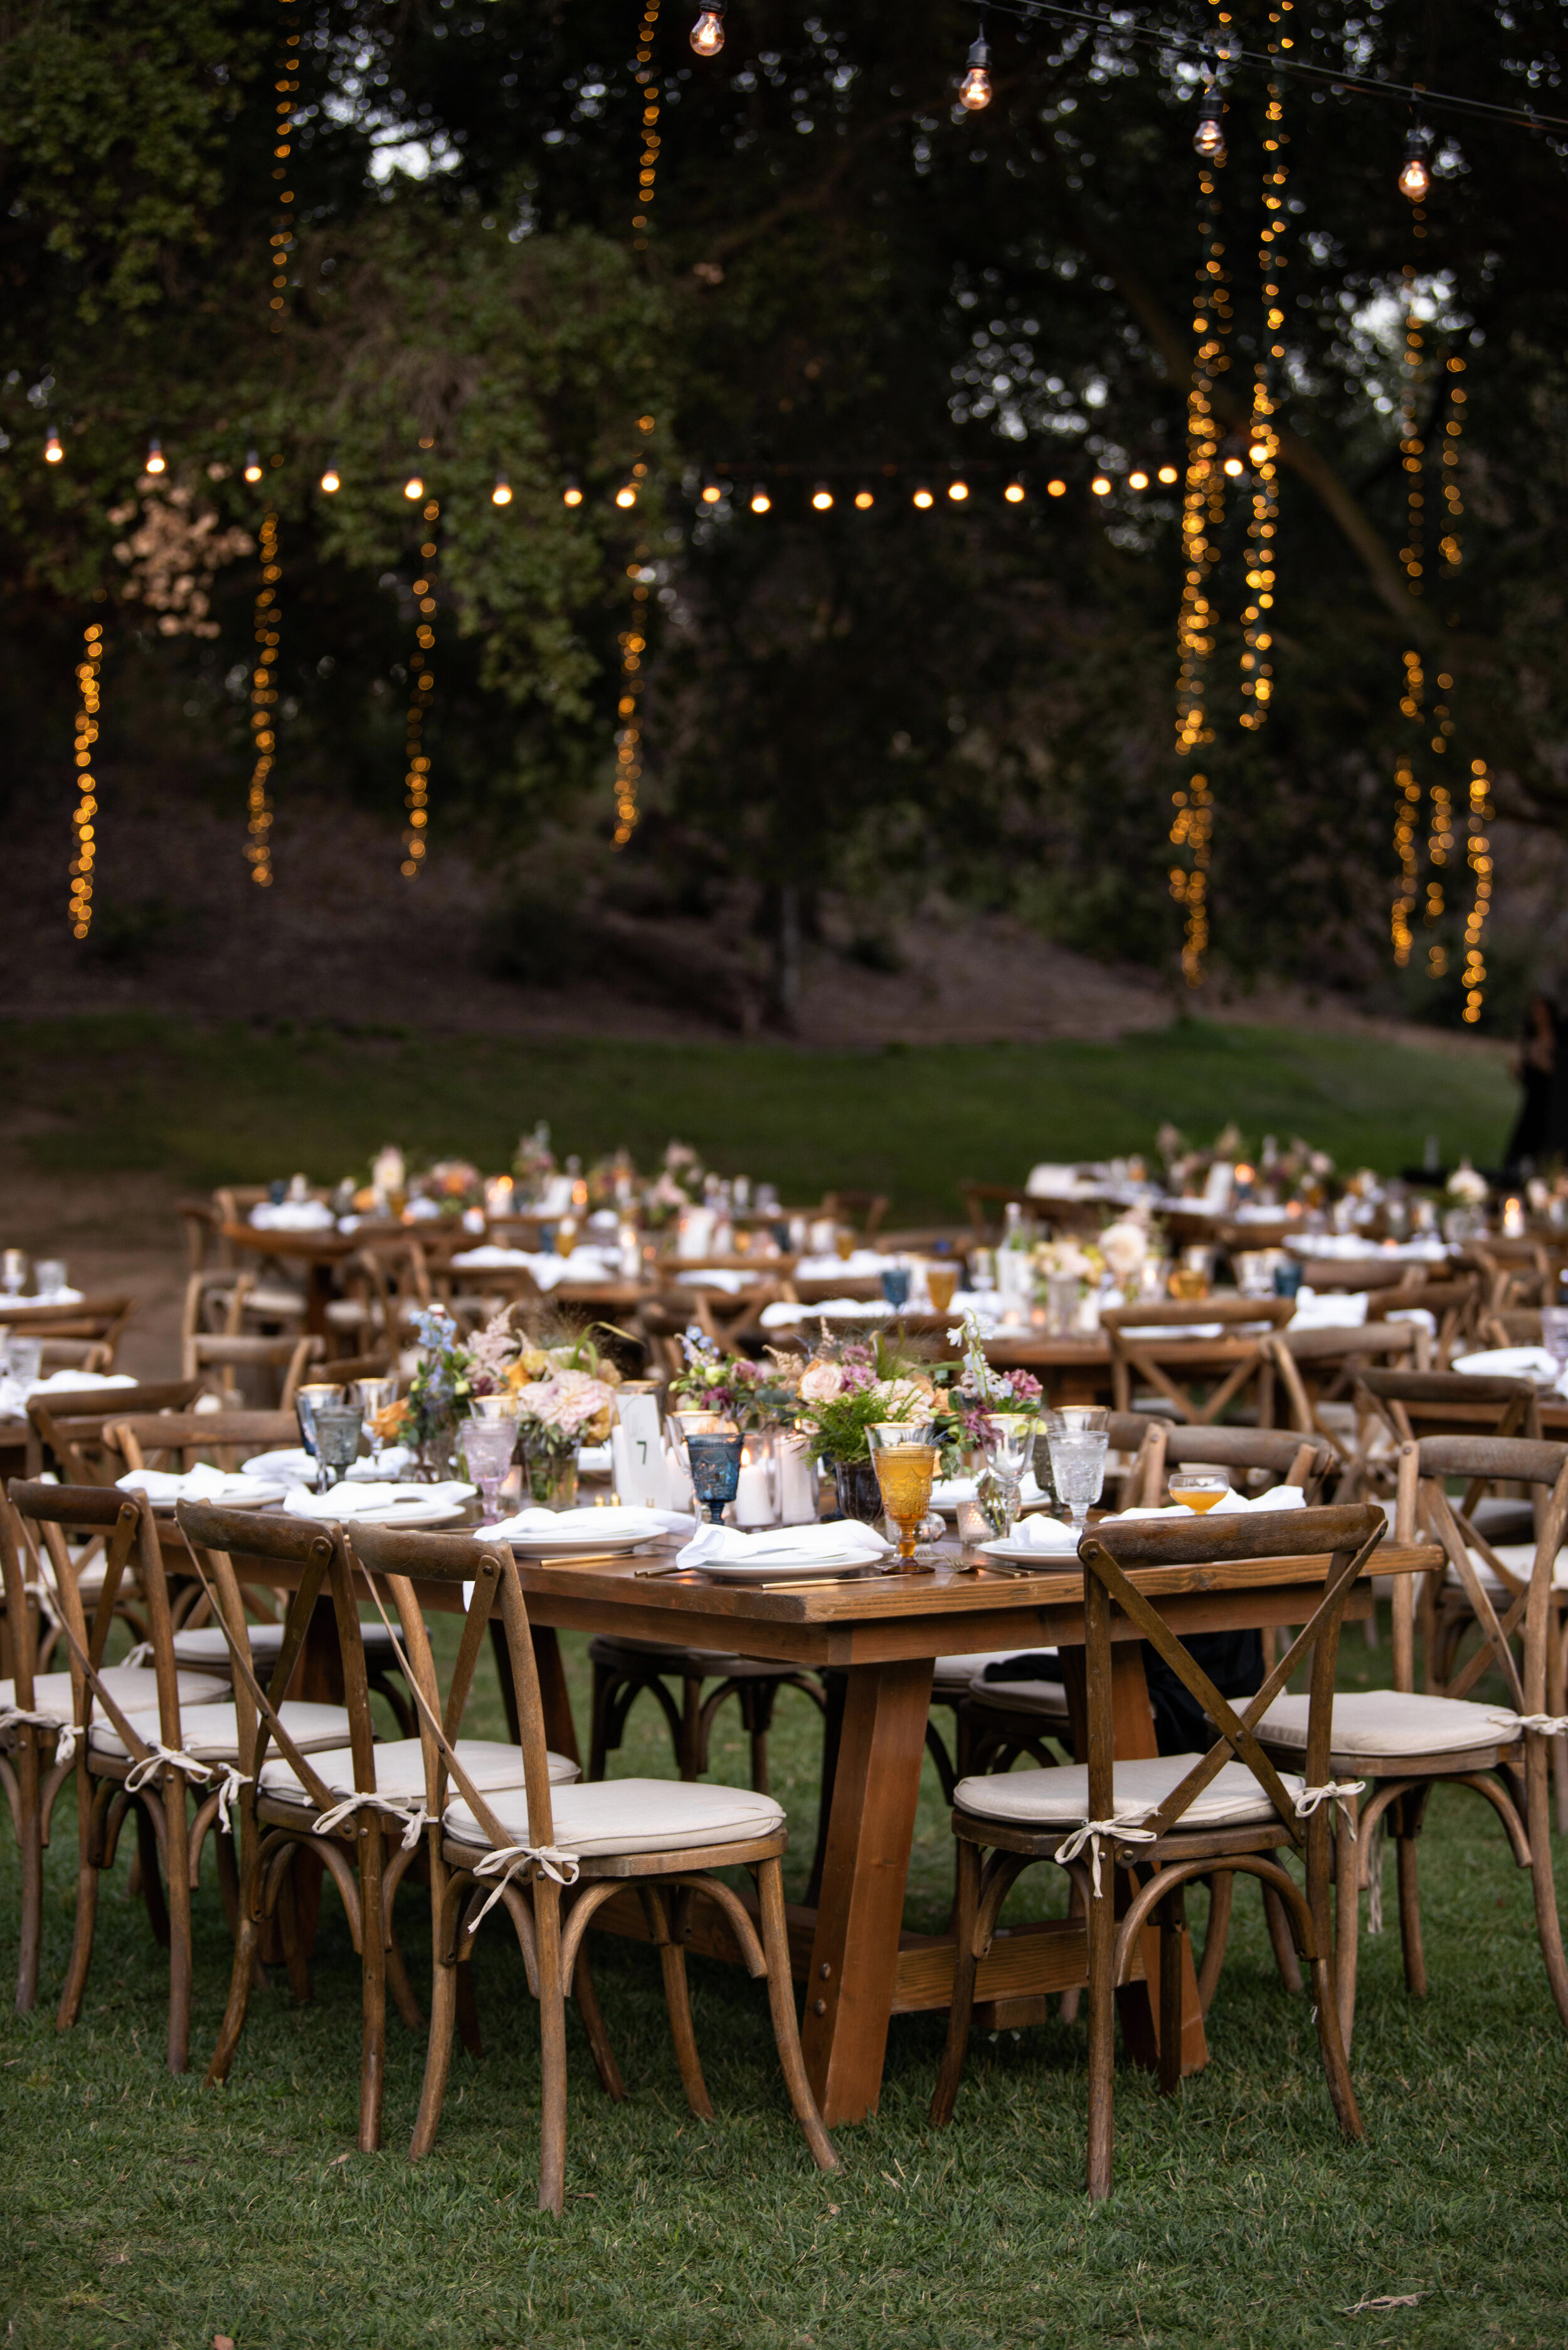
(855,1955)
(319,1287)
(560,1730)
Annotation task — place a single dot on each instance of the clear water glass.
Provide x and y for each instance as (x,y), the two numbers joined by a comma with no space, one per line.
(22,1360)
(338,1427)
(488,1446)
(307,1401)
(48,1276)
(373,1398)
(1078,1467)
(13,1272)
(1554,1334)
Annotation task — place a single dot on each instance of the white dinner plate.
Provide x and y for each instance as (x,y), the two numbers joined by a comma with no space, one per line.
(842,1569)
(293,1463)
(575,1545)
(418,1511)
(1049,1562)
(264,1495)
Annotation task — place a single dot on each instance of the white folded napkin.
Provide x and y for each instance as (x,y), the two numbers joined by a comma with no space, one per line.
(1333,1310)
(600,1524)
(1510,1363)
(467,1259)
(595,1459)
(836,1309)
(1161,1331)
(783,1545)
(708,1277)
(857,1266)
(293,1216)
(1284,1497)
(949,1491)
(203,1483)
(49,1297)
(360,1499)
(1039,1533)
(78,1382)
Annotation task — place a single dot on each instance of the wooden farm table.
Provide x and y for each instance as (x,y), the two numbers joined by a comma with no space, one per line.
(858,1965)
(317,1254)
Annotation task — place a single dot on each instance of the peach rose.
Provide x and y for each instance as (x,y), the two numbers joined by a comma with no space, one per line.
(821,1382)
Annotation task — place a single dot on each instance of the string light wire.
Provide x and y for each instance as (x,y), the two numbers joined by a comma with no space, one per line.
(421,685)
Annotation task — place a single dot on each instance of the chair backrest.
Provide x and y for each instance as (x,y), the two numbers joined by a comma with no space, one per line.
(1527,1606)
(1112,1555)
(1519,1327)
(204,1352)
(1414,1402)
(179,1439)
(1146,1340)
(317,1555)
(1314,1364)
(45,1514)
(68,1425)
(214,1301)
(1357,1274)
(103,1318)
(401,1563)
(865,1208)
(1282,1458)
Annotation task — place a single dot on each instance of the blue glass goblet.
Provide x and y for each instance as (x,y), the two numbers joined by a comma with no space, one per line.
(715,1462)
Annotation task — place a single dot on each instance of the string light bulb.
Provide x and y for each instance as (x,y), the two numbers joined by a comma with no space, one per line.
(626,495)
(761,502)
(331,480)
(974,90)
(863,498)
(958,492)
(84,822)
(1415,171)
(1209,138)
(1056,489)
(1138,480)
(923,498)
(821,497)
(155,459)
(252,466)
(711,494)
(53,452)
(1100,486)
(708,32)
(413,487)
(1234,467)
(1168,474)
(571,496)
(501,495)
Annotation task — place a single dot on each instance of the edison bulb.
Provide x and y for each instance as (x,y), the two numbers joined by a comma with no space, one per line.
(761,502)
(1209,138)
(501,495)
(958,492)
(708,33)
(923,498)
(1013,494)
(1138,480)
(711,494)
(1056,489)
(627,496)
(413,487)
(53,452)
(1415,176)
(331,480)
(863,498)
(252,466)
(1169,474)
(974,90)
(571,496)
(1257,454)
(155,457)
(1100,486)
(1233,466)
(821,497)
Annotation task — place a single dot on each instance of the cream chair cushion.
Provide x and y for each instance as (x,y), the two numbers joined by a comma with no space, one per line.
(1520,1560)
(208,1732)
(1048,1698)
(208,1645)
(1370,1724)
(953,1674)
(629,1815)
(1059,1799)
(134,1689)
(401,1769)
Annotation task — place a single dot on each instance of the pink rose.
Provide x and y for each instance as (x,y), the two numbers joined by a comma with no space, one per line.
(821,1382)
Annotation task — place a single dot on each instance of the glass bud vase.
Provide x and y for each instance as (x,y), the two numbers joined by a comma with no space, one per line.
(435,1459)
(858,1493)
(552,1473)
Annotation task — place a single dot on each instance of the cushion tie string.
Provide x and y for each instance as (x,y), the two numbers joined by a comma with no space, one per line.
(233,1779)
(141,1655)
(414,1821)
(1092,1833)
(12,1717)
(505,1861)
(1549,1725)
(1342,1792)
(141,1772)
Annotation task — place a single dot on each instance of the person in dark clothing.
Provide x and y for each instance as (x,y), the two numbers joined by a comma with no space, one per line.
(1539,1132)
(1234,1662)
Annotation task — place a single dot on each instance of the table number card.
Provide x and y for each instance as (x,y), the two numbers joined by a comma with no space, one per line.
(637,1453)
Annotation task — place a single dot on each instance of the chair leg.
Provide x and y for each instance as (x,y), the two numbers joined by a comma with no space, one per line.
(1556,1694)
(468,2011)
(1172,1952)
(1347,1926)
(677,2000)
(31,1841)
(689,1754)
(786,2027)
(1283,1948)
(1102,2034)
(966,1965)
(598,1720)
(1072,2000)
(1215,1935)
(373,1983)
(177,1830)
(592,2023)
(1331,2045)
(1414,1955)
(88,1880)
(294,1955)
(552,2047)
(242,1976)
(1547,1923)
(446,1988)
(150,1875)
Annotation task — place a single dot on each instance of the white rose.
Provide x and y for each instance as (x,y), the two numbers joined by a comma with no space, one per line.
(821,1382)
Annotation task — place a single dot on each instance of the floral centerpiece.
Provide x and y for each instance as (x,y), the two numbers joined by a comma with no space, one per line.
(755,1396)
(996,1417)
(564,1386)
(447,1378)
(847,1389)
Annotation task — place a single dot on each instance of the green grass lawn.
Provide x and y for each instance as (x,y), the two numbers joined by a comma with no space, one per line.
(145,2213)
(211,1103)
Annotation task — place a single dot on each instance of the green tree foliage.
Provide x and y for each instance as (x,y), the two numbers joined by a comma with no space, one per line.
(849,281)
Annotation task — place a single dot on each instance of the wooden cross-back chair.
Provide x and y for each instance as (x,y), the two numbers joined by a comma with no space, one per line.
(1454,1307)
(1517,1274)
(1393,1746)
(1518,1325)
(357,1805)
(68,1426)
(1274,1454)
(214,1358)
(149,1741)
(864,1210)
(1146,1346)
(1179,1817)
(1353,1274)
(552,1856)
(102,1320)
(1317,1370)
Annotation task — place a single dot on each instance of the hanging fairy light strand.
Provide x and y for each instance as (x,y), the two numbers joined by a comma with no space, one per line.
(1263,447)
(707,39)
(84,822)
(1203,519)
(421,685)
(264,704)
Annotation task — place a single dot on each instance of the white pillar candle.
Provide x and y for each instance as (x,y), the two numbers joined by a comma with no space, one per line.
(753,1503)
